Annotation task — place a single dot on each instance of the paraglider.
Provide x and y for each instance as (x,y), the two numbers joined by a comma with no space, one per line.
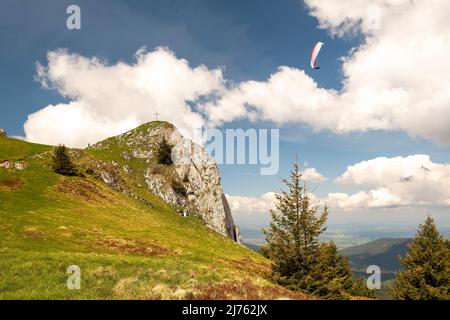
(314,53)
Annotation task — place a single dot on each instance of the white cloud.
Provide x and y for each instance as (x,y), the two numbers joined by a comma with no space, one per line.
(289,95)
(242,205)
(72,124)
(385,183)
(397,79)
(350,16)
(379,198)
(109,99)
(311,174)
(397,181)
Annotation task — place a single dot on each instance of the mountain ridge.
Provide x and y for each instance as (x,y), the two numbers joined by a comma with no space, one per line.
(128,242)
(192,171)
(384,252)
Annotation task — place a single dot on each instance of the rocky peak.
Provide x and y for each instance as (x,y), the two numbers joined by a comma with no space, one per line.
(192,182)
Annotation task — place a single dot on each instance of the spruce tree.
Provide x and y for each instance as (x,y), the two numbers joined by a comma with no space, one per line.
(333,277)
(426,273)
(299,261)
(61,162)
(292,237)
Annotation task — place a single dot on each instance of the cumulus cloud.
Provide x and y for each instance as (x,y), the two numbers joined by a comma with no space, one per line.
(311,174)
(351,16)
(385,183)
(397,181)
(242,205)
(109,99)
(379,198)
(397,79)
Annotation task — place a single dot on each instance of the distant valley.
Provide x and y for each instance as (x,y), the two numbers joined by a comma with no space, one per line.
(364,252)
(383,252)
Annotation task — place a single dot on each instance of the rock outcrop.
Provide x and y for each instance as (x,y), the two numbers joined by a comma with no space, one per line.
(191,182)
(13,165)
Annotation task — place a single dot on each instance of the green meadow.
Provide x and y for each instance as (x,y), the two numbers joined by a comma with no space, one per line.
(125,249)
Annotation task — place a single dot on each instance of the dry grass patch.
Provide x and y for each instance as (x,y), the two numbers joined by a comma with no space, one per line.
(130,246)
(245,290)
(84,189)
(11,184)
(107,272)
(33,232)
(65,232)
(249,265)
(125,288)
(133,288)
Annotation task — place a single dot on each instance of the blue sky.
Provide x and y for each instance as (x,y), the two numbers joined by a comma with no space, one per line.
(248,39)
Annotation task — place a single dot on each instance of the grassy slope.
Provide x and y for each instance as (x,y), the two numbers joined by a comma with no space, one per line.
(124,248)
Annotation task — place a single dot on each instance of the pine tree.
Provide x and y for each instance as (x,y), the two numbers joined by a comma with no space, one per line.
(292,237)
(426,273)
(299,261)
(62,163)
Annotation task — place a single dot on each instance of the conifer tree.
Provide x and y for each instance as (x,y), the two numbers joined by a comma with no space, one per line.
(164,152)
(61,162)
(292,237)
(299,261)
(333,277)
(426,273)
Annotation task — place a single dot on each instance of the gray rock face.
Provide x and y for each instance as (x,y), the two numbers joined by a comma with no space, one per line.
(202,182)
(2,133)
(194,171)
(20,165)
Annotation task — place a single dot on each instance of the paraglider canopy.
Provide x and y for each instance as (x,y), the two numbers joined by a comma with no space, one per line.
(314,54)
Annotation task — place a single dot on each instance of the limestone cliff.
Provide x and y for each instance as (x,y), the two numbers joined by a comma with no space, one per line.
(192,182)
